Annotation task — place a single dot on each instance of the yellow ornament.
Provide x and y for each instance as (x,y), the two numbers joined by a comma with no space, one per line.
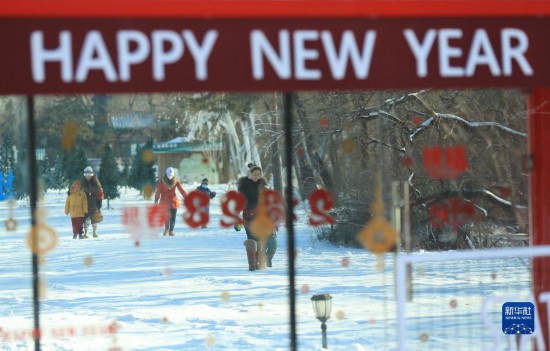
(262,226)
(69,133)
(378,236)
(41,239)
(88,261)
(148,191)
(348,146)
(10,224)
(148,156)
(210,340)
(42,288)
(225,296)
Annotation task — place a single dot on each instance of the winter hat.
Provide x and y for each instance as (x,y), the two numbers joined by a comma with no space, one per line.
(88,170)
(170,172)
(204,181)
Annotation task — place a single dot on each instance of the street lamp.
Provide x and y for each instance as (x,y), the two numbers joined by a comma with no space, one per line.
(322,304)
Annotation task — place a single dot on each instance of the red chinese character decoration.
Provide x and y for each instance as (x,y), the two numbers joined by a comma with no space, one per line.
(144,221)
(232,203)
(445,163)
(130,215)
(320,202)
(505,192)
(157,216)
(453,212)
(196,214)
(274,206)
(417,120)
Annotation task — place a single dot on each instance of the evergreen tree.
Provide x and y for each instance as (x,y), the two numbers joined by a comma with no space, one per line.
(99,107)
(134,179)
(99,112)
(148,170)
(56,112)
(74,162)
(124,179)
(20,174)
(7,156)
(143,171)
(57,179)
(109,174)
(44,172)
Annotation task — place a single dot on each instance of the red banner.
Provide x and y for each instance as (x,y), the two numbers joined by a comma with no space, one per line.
(160,55)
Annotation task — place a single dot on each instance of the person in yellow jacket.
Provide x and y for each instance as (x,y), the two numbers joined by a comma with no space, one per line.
(77,206)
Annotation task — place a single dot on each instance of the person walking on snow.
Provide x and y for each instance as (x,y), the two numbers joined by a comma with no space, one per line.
(94,195)
(166,195)
(252,186)
(211,194)
(76,205)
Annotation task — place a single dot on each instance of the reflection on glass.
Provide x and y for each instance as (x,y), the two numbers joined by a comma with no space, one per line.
(458,154)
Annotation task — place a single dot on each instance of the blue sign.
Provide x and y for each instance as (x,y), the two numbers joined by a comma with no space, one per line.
(6,188)
(518,318)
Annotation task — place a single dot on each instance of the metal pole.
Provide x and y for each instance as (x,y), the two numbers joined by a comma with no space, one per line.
(33,197)
(287,102)
(407,235)
(324,331)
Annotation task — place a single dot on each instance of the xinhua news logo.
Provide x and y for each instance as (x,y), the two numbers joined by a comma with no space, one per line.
(518,318)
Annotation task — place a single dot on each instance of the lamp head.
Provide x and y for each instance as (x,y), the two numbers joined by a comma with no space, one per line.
(322,304)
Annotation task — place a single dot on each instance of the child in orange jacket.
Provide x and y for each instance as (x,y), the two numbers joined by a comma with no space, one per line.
(77,206)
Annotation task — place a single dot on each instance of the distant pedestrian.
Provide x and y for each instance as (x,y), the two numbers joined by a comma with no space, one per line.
(166,195)
(211,194)
(76,205)
(94,195)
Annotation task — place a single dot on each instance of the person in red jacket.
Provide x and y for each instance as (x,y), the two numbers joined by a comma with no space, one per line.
(166,195)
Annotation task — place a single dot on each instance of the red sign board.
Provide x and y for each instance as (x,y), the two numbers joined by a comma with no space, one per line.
(62,55)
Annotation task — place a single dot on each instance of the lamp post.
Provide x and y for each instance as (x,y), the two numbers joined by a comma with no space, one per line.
(322,304)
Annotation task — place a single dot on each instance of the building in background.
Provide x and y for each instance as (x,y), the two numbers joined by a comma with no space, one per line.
(193,160)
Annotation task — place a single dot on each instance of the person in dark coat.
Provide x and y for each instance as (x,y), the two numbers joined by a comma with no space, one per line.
(94,195)
(211,194)
(252,186)
(166,195)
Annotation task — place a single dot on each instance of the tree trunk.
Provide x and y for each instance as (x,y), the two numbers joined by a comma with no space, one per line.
(232,144)
(253,144)
(273,118)
(316,163)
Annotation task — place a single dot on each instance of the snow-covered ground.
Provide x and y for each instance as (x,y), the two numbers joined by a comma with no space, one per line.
(194,291)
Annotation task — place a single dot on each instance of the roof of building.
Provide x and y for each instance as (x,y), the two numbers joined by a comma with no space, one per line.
(136,120)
